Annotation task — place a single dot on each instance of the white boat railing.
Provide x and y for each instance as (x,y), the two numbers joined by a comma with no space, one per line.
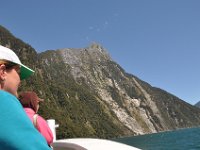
(85,143)
(52,125)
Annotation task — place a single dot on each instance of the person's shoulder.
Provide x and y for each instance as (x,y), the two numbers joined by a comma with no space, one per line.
(4,94)
(40,118)
(8,99)
(41,121)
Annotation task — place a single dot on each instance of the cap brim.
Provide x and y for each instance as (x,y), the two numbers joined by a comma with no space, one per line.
(25,72)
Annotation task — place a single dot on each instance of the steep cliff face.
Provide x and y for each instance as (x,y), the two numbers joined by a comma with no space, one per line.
(90,95)
(134,103)
(92,66)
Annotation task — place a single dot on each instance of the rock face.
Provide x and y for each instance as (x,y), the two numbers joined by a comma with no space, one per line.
(90,95)
(197,104)
(134,103)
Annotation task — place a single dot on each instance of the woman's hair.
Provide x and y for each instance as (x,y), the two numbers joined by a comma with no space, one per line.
(3,61)
(29,99)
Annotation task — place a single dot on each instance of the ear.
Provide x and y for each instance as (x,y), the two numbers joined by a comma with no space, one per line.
(2,72)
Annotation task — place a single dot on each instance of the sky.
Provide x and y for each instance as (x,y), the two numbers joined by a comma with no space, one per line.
(156,40)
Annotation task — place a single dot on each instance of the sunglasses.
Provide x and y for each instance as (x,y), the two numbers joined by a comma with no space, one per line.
(13,66)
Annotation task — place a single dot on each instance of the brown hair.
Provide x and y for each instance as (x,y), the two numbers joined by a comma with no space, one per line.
(2,61)
(29,99)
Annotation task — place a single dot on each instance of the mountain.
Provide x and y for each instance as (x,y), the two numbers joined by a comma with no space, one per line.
(90,95)
(197,104)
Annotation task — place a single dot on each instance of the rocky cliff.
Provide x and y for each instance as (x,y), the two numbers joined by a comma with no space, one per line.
(197,104)
(90,95)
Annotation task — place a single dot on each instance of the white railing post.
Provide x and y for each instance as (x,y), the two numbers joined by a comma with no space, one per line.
(53,126)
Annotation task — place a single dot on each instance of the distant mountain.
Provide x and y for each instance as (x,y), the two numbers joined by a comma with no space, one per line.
(90,95)
(197,104)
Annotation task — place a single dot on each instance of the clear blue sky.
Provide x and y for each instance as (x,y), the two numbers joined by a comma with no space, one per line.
(156,40)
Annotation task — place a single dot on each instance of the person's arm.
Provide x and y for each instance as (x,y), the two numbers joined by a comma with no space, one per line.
(44,129)
(16,129)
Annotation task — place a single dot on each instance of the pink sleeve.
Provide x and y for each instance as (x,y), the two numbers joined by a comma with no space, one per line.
(44,129)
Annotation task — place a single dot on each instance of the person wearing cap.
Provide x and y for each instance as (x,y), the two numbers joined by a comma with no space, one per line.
(30,101)
(16,131)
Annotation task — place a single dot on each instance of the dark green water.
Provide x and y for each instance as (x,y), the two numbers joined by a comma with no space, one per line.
(184,139)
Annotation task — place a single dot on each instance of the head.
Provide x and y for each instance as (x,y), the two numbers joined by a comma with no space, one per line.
(9,76)
(11,71)
(30,99)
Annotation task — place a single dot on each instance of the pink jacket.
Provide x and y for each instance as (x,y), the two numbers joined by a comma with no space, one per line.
(42,125)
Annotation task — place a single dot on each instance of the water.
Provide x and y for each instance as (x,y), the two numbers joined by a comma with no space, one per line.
(184,139)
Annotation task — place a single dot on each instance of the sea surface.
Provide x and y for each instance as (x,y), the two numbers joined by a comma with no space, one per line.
(183,139)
